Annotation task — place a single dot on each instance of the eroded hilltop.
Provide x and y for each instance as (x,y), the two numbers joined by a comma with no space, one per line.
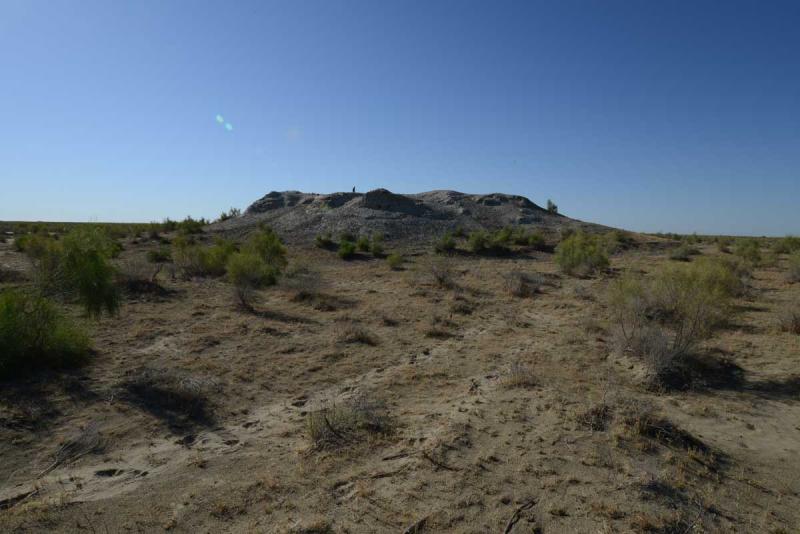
(301,216)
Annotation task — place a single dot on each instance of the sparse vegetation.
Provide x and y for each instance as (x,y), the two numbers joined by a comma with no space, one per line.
(346,422)
(789,319)
(581,254)
(793,274)
(249,272)
(518,375)
(748,249)
(445,244)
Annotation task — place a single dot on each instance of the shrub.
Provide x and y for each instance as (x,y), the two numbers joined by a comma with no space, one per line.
(522,285)
(723,245)
(324,241)
(662,319)
(442,274)
(214,259)
(395,261)
(230,214)
(355,333)
(581,254)
(445,244)
(748,249)
(377,245)
(347,250)
(34,335)
(683,252)
(347,236)
(482,242)
(617,240)
(536,240)
(787,245)
(551,206)
(266,244)
(190,226)
(789,319)
(363,244)
(249,272)
(794,267)
(159,255)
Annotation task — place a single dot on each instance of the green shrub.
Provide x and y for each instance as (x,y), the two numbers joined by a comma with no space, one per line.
(787,245)
(249,272)
(362,244)
(190,226)
(683,252)
(748,249)
(445,244)
(794,267)
(160,255)
(395,261)
(88,271)
(536,240)
(213,259)
(376,248)
(34,336)
(617,240)
(324,241)
(266,244)
(581,254)
(347,236)
(551,206)
(484,243)
(347,250)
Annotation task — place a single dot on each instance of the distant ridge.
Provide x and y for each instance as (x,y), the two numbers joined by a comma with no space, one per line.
(300,216)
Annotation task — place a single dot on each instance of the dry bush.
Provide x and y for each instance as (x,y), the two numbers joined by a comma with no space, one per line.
(305,283)
(349,421)
(355,333)
(642,425)
(595,417)
(523,285)
(439,328)
(517,375)
(443,273)
(175,396)
(789,319)
(136,276)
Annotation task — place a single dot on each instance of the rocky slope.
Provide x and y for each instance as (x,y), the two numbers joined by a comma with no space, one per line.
(301,216)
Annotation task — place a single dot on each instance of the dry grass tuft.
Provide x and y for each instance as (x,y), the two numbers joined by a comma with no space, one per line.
(596,417)
(517,375)
(349,421)
(176,397)
(789,319)
(354,333)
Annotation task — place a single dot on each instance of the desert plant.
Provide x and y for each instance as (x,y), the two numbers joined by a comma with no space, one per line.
(159,255)
(536,240)
(442,273)
(787,245)
(266,244)
(395,261)
(445,244)
(517,375)
(789,319)
(482,242)
(662,319)
(249,272)
(190,226)
(355,333)
(793,273)
(748,249)
(35,335)
(324,241)
(335,425)
(376,248)
(363,244)
(683,252)
(521,284)
(551,206)
(581,254)
(347,250)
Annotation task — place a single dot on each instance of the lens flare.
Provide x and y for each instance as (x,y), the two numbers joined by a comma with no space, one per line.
(220,119)
(229,126)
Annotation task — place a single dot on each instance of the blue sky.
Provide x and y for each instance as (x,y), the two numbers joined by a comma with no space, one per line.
(674,116)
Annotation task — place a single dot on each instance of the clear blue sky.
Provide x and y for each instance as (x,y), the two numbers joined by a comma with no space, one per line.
(676,116)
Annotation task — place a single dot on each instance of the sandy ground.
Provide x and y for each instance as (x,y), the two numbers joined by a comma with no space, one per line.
(465,448)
